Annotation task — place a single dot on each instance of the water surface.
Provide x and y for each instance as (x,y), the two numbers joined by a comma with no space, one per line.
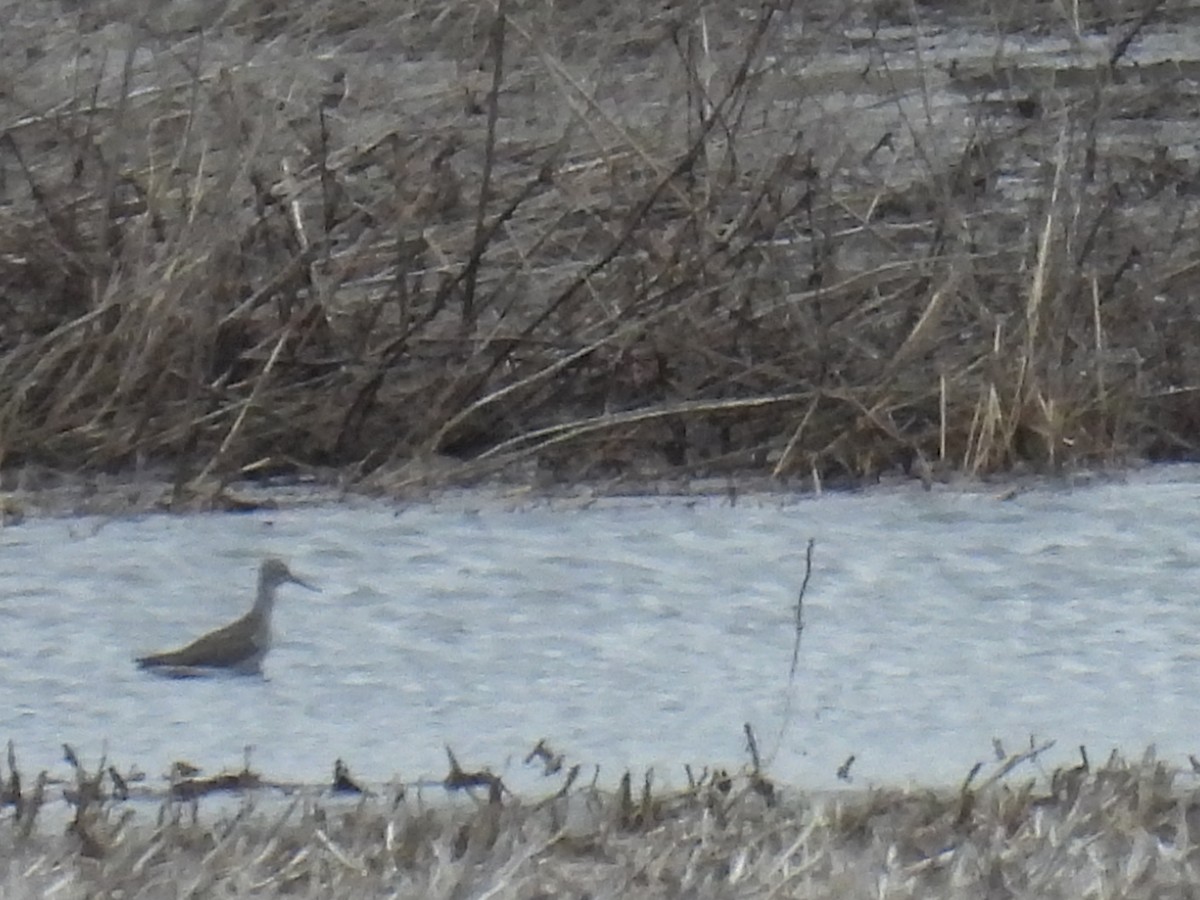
(632,633)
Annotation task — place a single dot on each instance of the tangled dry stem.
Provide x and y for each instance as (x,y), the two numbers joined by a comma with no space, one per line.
(439,242)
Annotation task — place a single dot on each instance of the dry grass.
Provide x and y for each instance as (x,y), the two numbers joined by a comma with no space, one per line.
(1122,830)
(430,243)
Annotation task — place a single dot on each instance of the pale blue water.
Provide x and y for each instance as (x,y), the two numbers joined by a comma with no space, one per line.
(629,634)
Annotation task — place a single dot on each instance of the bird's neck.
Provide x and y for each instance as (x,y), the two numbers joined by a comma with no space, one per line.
(264,602)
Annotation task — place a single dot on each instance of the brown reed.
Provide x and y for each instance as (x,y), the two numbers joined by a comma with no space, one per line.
(445,242)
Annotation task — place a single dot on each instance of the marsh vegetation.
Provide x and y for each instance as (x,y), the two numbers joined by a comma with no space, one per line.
(435,243)
(1117,830)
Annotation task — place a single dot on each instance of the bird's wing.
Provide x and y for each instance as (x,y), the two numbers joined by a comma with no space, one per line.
(226,647)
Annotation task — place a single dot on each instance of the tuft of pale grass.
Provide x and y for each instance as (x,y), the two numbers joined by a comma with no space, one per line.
(1120,829)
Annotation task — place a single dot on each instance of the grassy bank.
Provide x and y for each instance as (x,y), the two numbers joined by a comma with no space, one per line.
(1120,830)
(440,243)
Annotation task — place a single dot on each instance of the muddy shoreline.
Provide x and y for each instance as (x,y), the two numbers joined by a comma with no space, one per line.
(56,495)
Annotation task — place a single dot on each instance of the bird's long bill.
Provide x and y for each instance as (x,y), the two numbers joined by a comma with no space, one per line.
(295,579)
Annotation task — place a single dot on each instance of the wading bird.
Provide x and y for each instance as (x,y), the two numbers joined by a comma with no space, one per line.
(238,647)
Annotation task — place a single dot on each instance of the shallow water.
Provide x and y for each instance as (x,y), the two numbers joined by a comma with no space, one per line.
(632,633)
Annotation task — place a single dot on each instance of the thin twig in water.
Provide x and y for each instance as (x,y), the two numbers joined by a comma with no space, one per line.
(808,555)
(787,708)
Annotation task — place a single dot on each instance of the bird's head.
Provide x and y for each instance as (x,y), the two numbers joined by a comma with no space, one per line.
(275,572)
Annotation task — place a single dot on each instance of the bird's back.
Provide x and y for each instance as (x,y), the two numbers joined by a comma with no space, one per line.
(239,646)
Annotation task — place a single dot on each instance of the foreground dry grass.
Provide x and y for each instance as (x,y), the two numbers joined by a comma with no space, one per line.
(1117,831)
(435,242)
